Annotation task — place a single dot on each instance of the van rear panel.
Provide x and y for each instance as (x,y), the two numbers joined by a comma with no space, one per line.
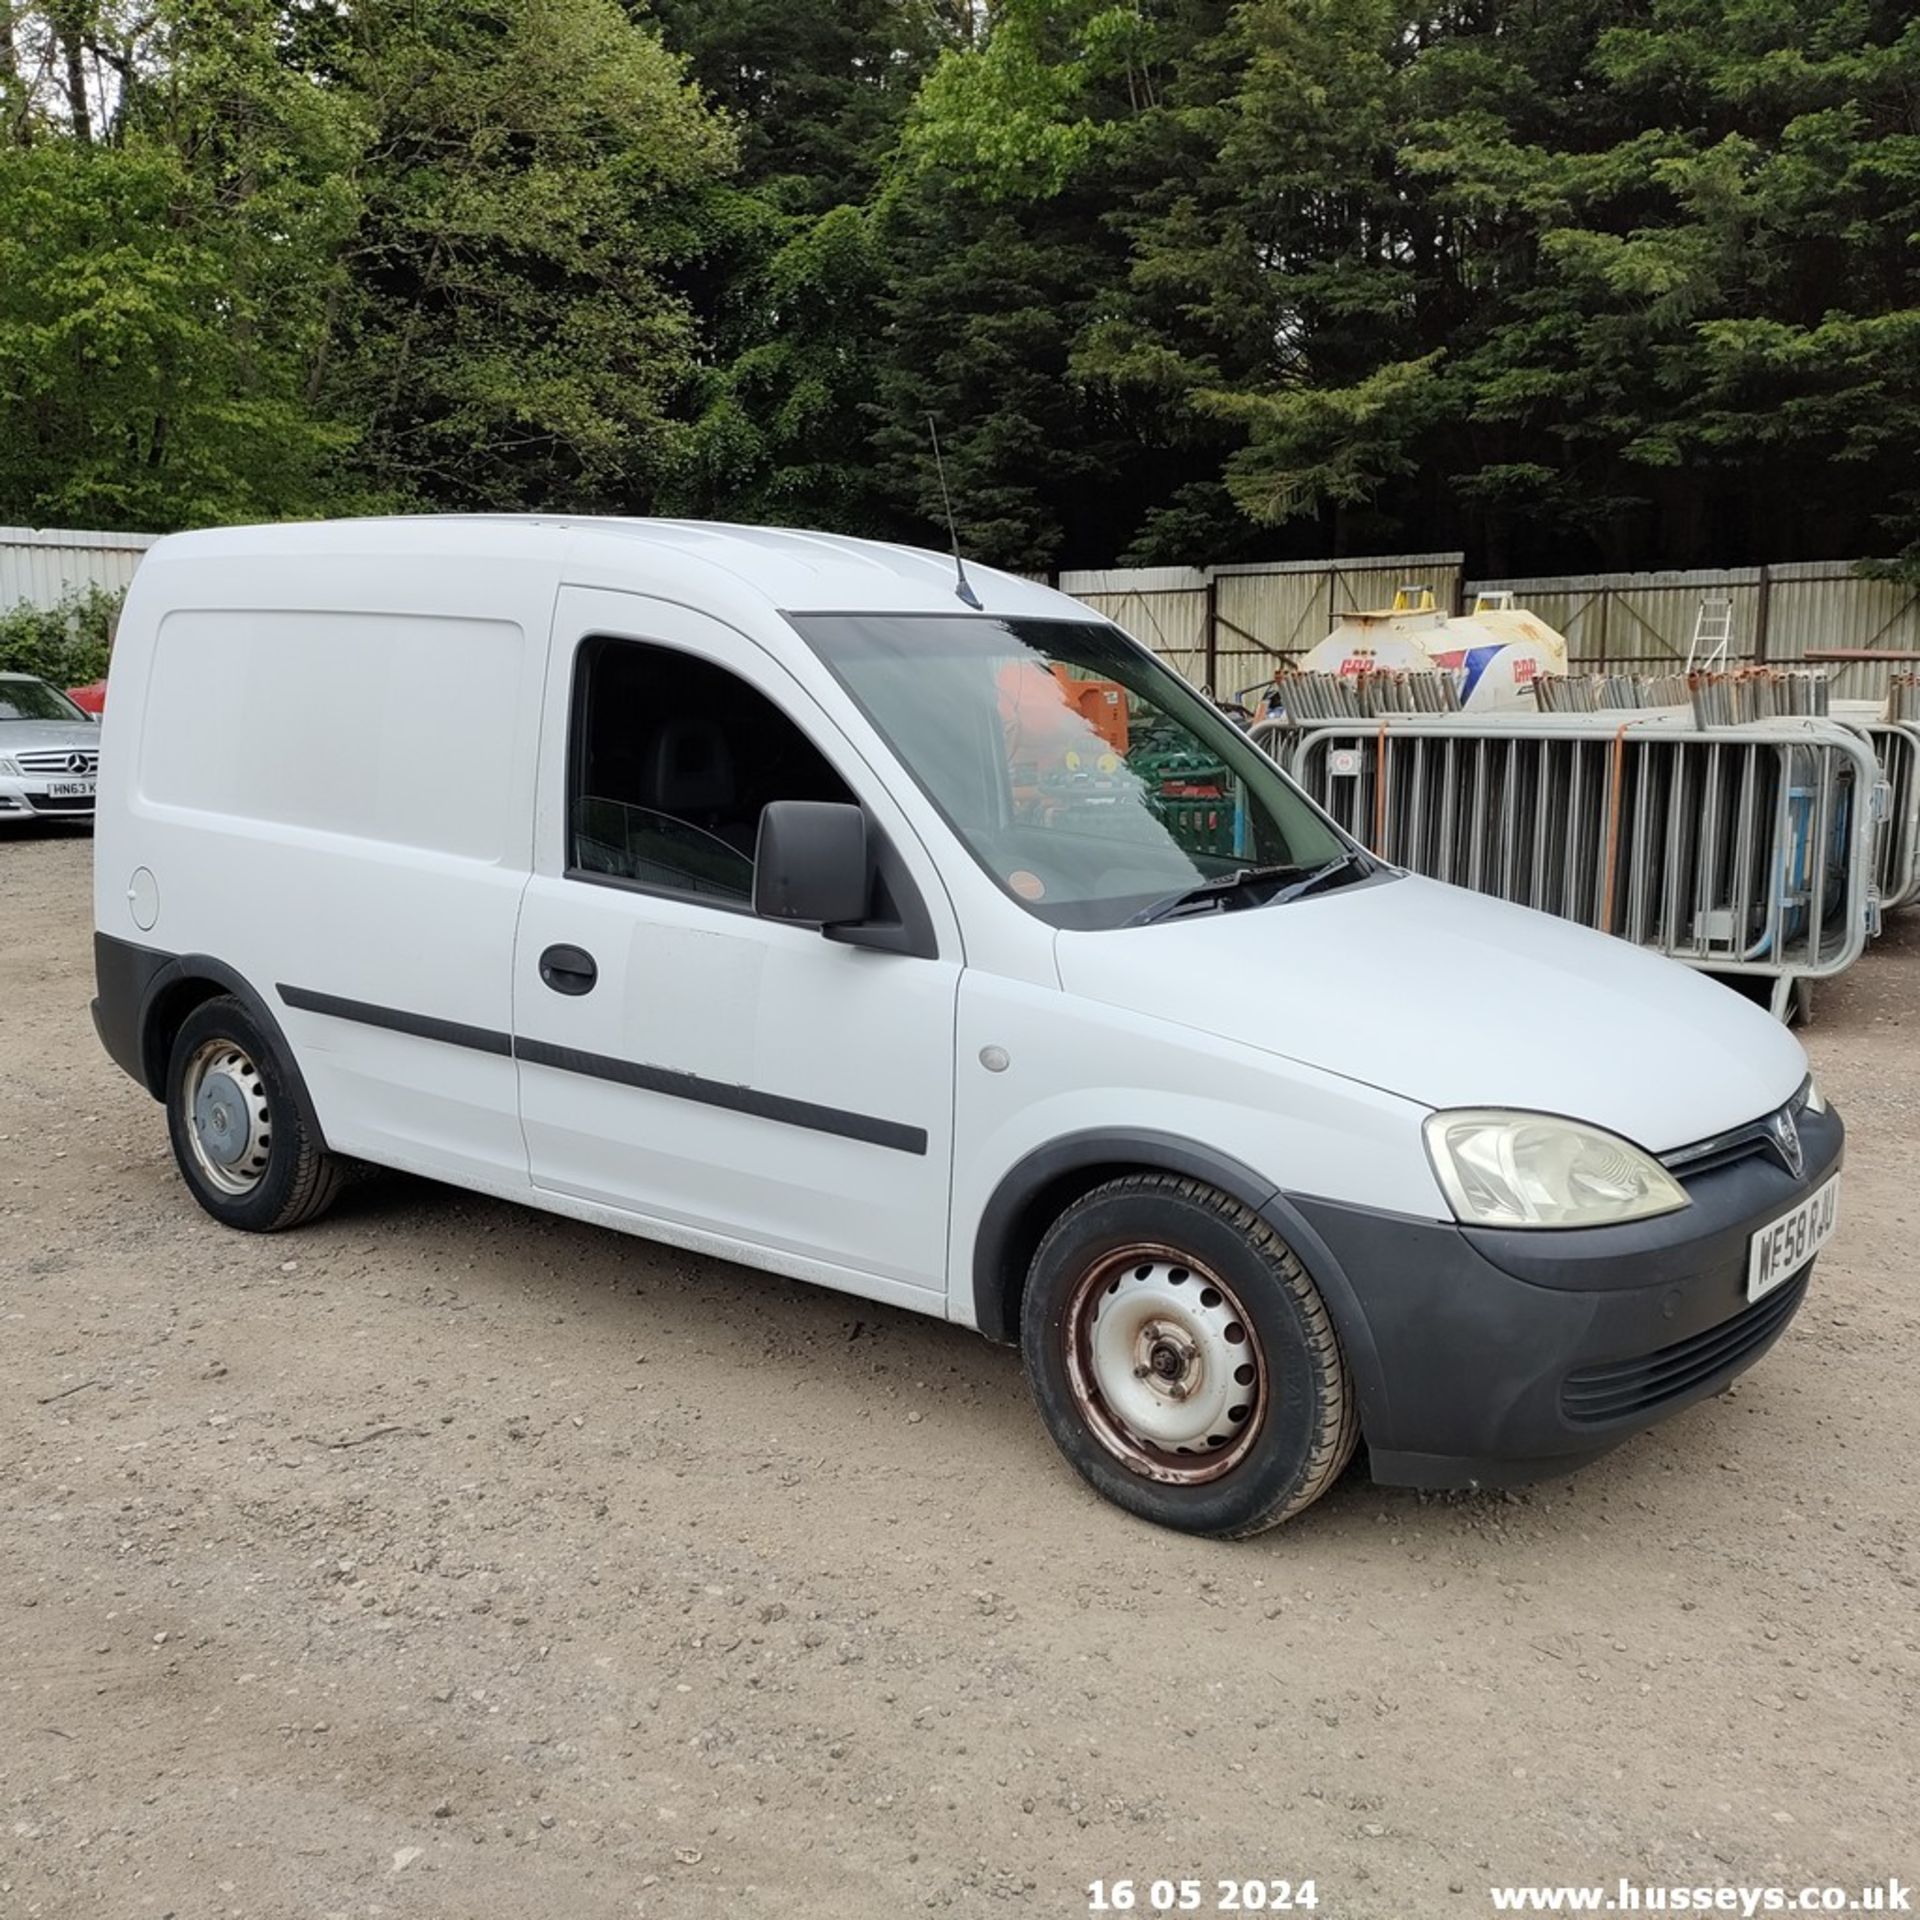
(389,728)
(337,800)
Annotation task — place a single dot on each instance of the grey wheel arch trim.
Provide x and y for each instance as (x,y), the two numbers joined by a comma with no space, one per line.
(158,974)
(997,1290)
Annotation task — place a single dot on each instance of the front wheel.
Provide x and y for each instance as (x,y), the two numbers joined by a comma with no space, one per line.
(1183,1359)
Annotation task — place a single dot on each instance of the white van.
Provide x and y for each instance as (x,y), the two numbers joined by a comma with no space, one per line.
(785,898)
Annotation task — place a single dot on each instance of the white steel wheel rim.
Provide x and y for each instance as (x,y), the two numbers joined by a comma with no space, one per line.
(1164,1365)
(229,1125)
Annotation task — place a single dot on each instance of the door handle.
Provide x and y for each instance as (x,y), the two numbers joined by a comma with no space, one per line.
(568,969)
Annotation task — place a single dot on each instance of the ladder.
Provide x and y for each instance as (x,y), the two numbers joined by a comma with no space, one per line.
(1712,633)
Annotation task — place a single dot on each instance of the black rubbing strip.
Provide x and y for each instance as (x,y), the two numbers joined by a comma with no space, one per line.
(600,1066)
(717,1093)
(481,1039)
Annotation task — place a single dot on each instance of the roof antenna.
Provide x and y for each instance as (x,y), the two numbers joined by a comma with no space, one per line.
(963,590)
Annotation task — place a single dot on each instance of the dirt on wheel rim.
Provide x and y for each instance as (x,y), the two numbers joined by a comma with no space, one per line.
(1164,1366)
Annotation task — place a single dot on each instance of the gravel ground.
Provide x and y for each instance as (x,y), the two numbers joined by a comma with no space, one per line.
(449,1559)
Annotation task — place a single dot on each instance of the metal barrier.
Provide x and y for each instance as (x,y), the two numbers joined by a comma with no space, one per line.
(1349,696)
(1896,746)
(1746,849)
(1732,698)
(1608,692)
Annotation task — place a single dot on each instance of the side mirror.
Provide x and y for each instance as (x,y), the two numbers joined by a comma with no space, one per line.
(810,863)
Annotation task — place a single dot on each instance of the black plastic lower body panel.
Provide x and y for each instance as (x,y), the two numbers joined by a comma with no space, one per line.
(1489,1378)
(124,975)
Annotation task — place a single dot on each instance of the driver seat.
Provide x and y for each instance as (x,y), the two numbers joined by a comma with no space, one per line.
(687,771)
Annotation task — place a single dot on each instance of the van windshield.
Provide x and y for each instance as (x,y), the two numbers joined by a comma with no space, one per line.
(1088,779)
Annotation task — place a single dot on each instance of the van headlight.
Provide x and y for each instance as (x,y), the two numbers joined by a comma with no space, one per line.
(1812,1098)
(1502,1169)
(9,766)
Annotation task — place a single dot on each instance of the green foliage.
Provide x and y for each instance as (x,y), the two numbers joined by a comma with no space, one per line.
(1309,445)
(150,374)
(981,322)
(508,337)
(1527,278)
(816,93)
(995,220)
(417,254)
(1017,116)
(65,644)
(781,433)
(1566,282)
(162,295)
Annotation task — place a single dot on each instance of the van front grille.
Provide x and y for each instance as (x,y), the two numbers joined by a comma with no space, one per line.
(1625,1387)
(1755,1137)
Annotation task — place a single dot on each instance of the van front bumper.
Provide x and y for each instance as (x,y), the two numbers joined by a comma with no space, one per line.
(1502,1357)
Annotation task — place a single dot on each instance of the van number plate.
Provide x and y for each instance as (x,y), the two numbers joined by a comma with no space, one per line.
(69,789)
(1777,1252)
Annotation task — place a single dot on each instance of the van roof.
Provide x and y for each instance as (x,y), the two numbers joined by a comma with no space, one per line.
(790,569)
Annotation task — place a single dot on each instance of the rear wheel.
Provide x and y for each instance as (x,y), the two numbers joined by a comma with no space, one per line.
(240,1135)
(1183,1359)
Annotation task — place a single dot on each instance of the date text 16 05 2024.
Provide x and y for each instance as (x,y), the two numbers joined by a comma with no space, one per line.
(1233,1895)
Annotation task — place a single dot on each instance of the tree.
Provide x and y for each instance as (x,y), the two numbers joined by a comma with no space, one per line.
(993,213)
(508,338)
(1564,282)
(310,261)
(162,289)
(1556,287)
(781,431)
(790,276)
(817,93)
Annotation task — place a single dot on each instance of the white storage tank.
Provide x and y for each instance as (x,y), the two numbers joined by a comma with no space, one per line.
(1497,649)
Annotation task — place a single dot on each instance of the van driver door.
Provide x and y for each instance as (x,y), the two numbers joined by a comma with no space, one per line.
(730,1079)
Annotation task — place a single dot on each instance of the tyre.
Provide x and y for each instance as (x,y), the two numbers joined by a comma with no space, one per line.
(240,1134)
(1183,1360)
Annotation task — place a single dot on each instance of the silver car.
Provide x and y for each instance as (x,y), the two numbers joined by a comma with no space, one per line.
(49,753)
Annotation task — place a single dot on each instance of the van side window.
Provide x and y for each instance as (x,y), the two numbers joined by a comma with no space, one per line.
(673,759)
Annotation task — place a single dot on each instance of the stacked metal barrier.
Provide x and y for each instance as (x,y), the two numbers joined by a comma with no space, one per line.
(1740,849)
(1608,692)
(1720,697)
(1756,693)
(1349,696)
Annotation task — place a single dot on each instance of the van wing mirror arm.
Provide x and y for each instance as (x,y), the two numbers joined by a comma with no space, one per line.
(896,920)
(881,936)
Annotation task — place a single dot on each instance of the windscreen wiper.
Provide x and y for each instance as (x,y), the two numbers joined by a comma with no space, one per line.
(1206,892)
(1219,889)
(1314,881)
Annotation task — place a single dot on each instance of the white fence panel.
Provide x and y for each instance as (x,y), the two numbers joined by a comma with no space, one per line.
(42,566)
(1644,619)
(1229,627)
(1163,607)
(1812,606)
(1267,615)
